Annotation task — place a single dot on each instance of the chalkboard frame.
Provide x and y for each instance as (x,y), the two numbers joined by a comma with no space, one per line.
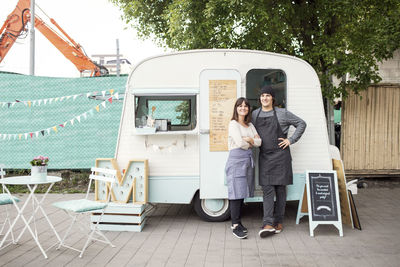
(315,215)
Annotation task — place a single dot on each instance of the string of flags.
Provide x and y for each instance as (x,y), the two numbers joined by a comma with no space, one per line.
(55,128)
(38,102)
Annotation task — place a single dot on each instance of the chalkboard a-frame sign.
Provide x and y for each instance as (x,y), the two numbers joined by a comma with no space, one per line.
(323,200)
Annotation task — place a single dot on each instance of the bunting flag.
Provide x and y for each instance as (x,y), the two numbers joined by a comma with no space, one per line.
(45,101)
(36,134)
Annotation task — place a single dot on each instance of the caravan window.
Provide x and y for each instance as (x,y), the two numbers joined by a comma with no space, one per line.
(257,78)
(179,111)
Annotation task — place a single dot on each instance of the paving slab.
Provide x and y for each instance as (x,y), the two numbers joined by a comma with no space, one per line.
(175,236)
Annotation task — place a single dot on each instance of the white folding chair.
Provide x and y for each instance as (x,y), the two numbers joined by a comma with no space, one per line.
(78,207)
(6,200)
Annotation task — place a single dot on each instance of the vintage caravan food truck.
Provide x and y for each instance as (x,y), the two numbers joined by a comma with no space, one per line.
(176,113)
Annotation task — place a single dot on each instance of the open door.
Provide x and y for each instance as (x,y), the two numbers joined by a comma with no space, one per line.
(219,90)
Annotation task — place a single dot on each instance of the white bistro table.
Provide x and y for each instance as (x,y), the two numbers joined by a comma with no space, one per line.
(32,185)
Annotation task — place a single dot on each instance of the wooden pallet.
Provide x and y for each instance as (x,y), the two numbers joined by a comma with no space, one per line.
(121,217)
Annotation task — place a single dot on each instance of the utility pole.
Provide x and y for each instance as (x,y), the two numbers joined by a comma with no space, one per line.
(32,40)
(118,61)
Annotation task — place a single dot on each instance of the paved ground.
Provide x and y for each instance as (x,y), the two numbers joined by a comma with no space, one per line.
(175,236)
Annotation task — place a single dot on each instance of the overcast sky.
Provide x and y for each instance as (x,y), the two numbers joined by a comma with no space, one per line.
(95,24)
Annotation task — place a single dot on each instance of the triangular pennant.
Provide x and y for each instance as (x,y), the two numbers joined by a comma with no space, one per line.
(48,130)
(110,100)
(42,132)
(56,99)
(103,93)
(13,103)
(16,100)
(26,135)
(15,136)
(75,96)
(39,102)
(8,104)
(87,94)
(97,108)
(103,104)
(51,100)
(45,101)
(37,134)
(116,96)
(61,125)
(1,135)
(4,136)
(78,118)
(111,91)
(4,103)
(19,136)
(33,103)
(29,103)
(9,136)
(31,134)
(65,123)
(55,128)
(62,98)
(84,115)
(68,97)
(72,122)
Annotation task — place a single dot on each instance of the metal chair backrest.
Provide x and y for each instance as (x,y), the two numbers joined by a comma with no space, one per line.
(104,175)
(2,174)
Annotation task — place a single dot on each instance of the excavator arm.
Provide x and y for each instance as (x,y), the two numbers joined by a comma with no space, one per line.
(69,48)
(14,27)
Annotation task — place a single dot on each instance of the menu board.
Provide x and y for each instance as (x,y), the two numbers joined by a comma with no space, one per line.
(323,197)
(222,98)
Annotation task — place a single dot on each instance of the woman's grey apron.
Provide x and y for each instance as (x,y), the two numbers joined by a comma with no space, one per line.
(275,163)
(239,171)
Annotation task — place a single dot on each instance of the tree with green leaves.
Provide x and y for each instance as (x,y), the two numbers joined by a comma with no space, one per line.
(336,37)
(184,112)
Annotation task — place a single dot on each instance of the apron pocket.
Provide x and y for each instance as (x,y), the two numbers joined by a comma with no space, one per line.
(240,170)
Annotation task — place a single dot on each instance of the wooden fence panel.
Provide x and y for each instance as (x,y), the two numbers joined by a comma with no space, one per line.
(370,142)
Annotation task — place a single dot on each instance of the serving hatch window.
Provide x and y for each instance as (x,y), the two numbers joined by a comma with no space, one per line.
(178,113)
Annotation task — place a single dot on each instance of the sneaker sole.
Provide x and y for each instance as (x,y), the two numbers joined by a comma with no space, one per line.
(278,231)
(240,237)
(265,233)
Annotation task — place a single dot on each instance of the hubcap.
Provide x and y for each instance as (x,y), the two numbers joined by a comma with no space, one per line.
(214,207)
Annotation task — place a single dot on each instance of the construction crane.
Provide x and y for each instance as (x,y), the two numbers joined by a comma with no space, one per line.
(16,27)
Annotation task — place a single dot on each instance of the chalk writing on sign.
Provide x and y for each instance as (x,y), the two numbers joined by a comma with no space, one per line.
(222,97)
(323,197)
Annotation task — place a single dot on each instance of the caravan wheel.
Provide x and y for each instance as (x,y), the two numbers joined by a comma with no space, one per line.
(211,210)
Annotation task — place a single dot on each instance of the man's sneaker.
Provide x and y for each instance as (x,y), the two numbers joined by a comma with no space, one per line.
(278,228)
(238,232)
(266,230)
(244,229)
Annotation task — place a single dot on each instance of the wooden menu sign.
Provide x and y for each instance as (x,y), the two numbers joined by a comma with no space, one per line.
(343,195)
(222,97)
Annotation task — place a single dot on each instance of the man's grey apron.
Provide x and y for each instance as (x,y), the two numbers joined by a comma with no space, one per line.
(275,163)
(239,171)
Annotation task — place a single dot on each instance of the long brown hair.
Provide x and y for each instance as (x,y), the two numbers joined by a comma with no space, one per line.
(235,116)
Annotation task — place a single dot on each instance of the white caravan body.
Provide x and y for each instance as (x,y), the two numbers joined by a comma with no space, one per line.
(181,162)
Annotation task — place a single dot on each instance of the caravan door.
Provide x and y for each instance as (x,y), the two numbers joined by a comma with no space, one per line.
(219,90)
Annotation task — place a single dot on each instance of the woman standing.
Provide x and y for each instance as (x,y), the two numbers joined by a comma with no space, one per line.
(275,161)
(240,167)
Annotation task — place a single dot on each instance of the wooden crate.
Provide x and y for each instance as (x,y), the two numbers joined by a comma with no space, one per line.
(121,217)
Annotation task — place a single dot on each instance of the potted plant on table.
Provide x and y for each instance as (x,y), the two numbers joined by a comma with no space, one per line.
(39,168)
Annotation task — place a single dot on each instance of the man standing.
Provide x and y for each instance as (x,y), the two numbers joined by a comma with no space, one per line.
(275,161)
